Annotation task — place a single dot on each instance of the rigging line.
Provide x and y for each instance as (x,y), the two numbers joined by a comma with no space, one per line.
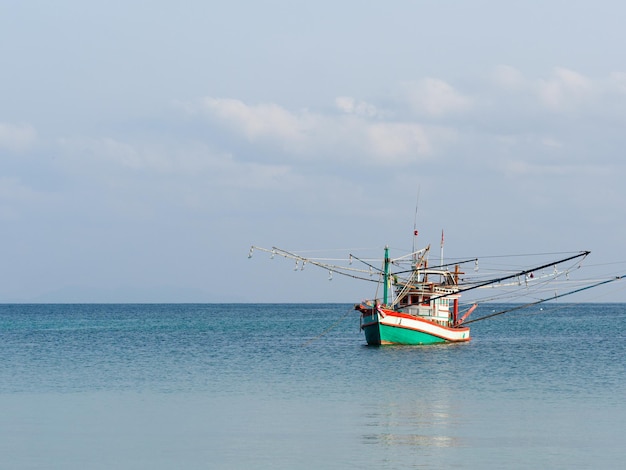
(521,273)
(435,267)
(535,282)
(410,280)
(354,276)
(557,307)
(279,251)
(606,264)
(549,276)
(326,250)
(313,261)
(545,300)
(405,258)
(535,291)
(336,269)
(532,288)
(528,254)
(367,264)
(329,329)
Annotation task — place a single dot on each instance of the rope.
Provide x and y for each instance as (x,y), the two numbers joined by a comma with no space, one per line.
(329,329)
(519,307)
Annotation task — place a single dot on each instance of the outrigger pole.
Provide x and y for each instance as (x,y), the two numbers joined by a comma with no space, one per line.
(520,273)
(519,307)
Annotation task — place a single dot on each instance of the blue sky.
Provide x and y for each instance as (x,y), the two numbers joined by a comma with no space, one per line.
(145,145)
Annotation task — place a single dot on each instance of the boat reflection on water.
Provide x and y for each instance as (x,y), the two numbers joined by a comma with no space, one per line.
(412,440)
(423,423)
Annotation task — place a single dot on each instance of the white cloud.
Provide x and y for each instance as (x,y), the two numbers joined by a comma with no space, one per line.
(260,121)
(565,89)
(399,141)
(435,98)
(562,91)
(352,106)
(251,147)
(16,137)
(358,134)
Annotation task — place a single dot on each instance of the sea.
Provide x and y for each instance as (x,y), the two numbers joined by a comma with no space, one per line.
(294,386)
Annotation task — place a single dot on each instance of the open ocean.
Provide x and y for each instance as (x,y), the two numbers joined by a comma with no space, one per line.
(242,386)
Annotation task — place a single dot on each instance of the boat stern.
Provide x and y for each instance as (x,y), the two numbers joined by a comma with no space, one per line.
(370,324)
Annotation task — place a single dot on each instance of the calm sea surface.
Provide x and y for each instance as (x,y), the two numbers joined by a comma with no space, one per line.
(275,387)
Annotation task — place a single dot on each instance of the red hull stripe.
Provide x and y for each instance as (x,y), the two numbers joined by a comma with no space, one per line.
(411,317)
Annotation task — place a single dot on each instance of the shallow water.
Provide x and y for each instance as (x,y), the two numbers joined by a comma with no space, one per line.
(295,386)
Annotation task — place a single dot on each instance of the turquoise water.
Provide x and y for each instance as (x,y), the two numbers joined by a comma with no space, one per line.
(268,387)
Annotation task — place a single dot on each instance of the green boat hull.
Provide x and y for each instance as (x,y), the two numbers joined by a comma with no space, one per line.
(377,334)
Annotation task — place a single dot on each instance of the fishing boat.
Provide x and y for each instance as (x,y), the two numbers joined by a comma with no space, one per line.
(425,309)
(420,304)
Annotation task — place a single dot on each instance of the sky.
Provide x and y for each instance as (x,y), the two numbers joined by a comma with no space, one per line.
(145,145)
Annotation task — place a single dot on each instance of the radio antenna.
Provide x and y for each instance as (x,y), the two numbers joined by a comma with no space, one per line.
(415,231)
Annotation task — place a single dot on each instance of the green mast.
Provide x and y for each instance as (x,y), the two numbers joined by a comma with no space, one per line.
(386,277)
